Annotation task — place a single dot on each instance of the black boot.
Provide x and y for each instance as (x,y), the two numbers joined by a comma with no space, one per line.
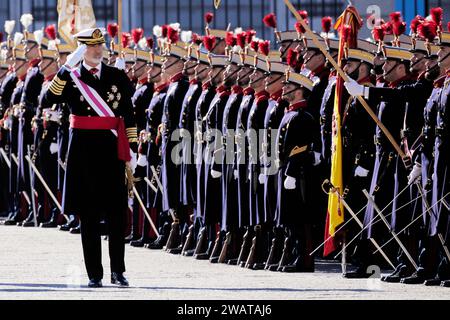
(53,222)
(161,241)
(401,271)
(69,224)
(29,221)
(76,229)
(13,218)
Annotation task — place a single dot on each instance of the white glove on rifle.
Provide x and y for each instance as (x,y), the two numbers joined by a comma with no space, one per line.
(216,174)
(53,148)
(361,172)
(355,89)
(142,160)
(120,64)
(317,159)
(262,178)
(415,174)
(236,174)
(289,183)
(75,57)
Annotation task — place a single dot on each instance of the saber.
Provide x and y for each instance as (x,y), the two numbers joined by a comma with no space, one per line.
(394,234)
(340,227)
(150,184)
(344,76)
(155,175)
(62,164)
(5,157)
(355,217)
(371,222)
(33,198)
(136,194)
(47,188)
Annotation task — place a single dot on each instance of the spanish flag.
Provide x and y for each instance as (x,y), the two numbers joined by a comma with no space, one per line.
(73,17)
(347,25)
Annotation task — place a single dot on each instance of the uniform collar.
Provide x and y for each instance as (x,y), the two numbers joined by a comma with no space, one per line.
(322,72)
(395,83)
(206,85)
(237,89)
(177,77)
(277,95)
(143,81)
(162,87)
(98,67)
(33,63)
(224,91)
(50,77)
(298,105)
(221,89)
(193,81)
(22,78)
(261,96)
(249,91)
(439,82)
(365,80)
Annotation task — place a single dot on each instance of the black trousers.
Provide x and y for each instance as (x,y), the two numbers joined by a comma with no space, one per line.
(91,240)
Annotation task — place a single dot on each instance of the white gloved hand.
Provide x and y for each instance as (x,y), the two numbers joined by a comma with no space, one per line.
(354,88)
(262,178)
(142,160)
(53,148)
(361,172)
(236,174)
(133,161)
(415,174)
(317,159)
(216,174)
(433,177)
(289,183)
(75,57)
(120,64)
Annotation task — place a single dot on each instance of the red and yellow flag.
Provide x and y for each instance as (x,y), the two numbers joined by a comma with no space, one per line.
(73,17)
(348,25)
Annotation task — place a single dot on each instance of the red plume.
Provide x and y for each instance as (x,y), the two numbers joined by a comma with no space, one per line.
(230,39)
(240,39)
(428,30)
(399,28)
(126,38)
(387,27)
(164,29)
(172,35)
(137,34)
(113,29)
(299,27)
(150,42)
(50,31)
(209,17)
(270,20)
(209,42)
(264,47)
(303,14)
(249,34)
(326,24)
(197,39)
(378,33)
(254,45)
(294,59)
(415,23)
(436,15)
(396,16)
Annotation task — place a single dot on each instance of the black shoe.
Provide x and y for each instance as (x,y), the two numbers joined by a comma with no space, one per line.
(415,278)
(76,230)
(359,273)
(445,283)
(119,279)
(28,223)
(139,243)
(158,244)
(95,283)
(400,272)
(433,282)
(296,268)
(49,224)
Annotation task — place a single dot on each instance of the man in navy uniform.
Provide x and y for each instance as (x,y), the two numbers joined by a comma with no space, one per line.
(96,158)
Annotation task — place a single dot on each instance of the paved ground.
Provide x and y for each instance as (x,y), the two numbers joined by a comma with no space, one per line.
(48,264)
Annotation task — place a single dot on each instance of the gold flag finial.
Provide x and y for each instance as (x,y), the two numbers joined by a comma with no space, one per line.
(217,4)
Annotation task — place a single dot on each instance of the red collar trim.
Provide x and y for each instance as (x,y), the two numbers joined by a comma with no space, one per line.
(22,78)
(277,95)
(332,74)
(321,72)
(193,81)
(237,89)
(221,89)
(50,77)
(33,63)
(162,87)
(395,83)
(207,85)
(143,81)
(249,91)
(177,77)
(225,93)
(439,82)
(262,96)
(365,80)
(298,105)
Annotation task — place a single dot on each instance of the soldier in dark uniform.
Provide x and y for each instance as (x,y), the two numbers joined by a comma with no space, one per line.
(391,113)
(95,172)
(295,159)
(17,77)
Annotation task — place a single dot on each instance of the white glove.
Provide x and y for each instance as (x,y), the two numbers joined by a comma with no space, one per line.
(236,174)
(361,172)
(262,178)
(317,159)
(133,161)
(289,183)
(75,57)
(354,88)
(120,64)
(142,160)
(53,148)
(216,174)
(415,174)
(433,177)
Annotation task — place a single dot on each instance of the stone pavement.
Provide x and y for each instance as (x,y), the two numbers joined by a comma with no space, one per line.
(48,264)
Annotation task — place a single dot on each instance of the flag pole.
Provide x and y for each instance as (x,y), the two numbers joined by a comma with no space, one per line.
(119,21)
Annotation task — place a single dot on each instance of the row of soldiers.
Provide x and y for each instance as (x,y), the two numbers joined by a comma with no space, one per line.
(260,206)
